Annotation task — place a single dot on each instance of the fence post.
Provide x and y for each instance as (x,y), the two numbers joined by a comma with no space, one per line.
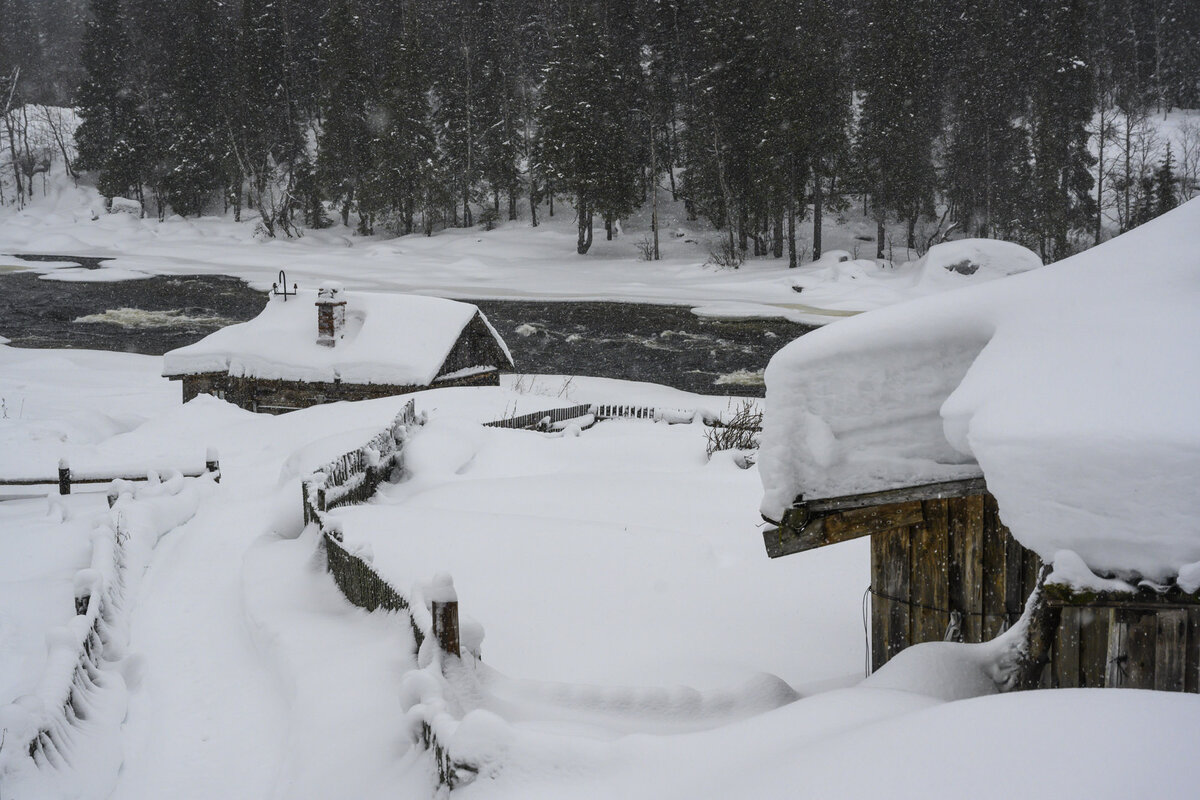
(64,476)
(213,464)
(444,609)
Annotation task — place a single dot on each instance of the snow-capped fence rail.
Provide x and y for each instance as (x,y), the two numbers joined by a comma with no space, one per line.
(59,739)
(674,416)
(544,420)
(353,477)
(67,477)
(541,420)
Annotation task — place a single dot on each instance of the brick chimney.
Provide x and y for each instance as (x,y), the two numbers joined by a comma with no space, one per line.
(331,313)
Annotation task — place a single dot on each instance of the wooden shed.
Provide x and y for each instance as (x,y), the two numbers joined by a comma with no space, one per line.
(355,346)
(945,567)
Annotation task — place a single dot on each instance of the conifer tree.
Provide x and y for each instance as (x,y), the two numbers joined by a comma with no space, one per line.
(344,150)
(988,145)
(404,149)
(195,147)
(1165,195)
(109,139)
(586,138)
(265,130)
(901,110)
(1060,113)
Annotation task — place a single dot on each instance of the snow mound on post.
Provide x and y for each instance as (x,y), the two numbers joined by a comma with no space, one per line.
(966,261)
(1073,388)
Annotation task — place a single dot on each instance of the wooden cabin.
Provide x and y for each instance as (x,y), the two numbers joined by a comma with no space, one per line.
(1067,394)
(362,346)
(945,567)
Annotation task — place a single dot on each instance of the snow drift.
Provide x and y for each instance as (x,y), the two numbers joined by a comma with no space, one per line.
(1073,388)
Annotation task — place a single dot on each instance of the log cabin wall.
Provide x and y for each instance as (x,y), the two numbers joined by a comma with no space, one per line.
(956,556)
(277,396)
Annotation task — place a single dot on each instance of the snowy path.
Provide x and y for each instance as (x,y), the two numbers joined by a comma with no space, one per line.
(253,660)
(209,719)
(340,669)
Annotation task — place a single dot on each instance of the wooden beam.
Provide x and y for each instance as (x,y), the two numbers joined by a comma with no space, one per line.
(798,534)
(906,494)
(785,540)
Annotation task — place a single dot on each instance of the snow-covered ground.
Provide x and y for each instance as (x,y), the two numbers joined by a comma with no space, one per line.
(638,641)
(514,261)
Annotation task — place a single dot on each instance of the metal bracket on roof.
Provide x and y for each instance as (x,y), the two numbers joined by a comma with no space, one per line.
(279,288)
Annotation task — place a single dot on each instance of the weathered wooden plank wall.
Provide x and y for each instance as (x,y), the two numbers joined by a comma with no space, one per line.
(959,557)
(1136,646)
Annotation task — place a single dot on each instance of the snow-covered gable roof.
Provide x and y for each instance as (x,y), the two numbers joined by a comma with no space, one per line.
(388,339)
(1075,389)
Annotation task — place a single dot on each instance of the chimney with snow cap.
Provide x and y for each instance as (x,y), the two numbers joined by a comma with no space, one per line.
(331,313)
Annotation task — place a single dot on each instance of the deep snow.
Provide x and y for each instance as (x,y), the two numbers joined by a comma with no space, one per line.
(1073,388)
(256,679)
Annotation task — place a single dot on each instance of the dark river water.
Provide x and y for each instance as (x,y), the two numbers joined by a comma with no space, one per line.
(660,344)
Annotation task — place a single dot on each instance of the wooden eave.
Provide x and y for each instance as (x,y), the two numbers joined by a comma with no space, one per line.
(1145,597)
(810,524)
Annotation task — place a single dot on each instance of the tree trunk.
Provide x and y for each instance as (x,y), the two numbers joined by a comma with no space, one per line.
(879,237)
(12,149)
(584,241)
(818,208)
(791,234)
(777,232)
(654,194)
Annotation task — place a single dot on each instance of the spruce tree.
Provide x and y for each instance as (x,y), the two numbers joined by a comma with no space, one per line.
(988,145)
(403,150)
(1165,195)
(109,138)
(587,139)
(1060,113)
(344,150)
(265,128)
(196,145)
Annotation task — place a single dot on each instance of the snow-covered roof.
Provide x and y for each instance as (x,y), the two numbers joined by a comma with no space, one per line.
(388,339)
(1075,389)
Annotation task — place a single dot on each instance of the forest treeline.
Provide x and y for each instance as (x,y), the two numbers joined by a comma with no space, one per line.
(986,117)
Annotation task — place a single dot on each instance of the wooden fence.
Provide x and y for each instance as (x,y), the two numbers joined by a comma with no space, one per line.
(541,420)
(67,478)
(353,478)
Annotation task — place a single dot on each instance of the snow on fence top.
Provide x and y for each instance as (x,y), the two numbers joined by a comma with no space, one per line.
(1074,388)
(387,339)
